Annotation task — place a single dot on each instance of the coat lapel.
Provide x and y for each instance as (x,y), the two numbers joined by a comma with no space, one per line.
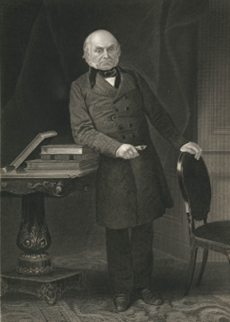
(126,84)
(102,87)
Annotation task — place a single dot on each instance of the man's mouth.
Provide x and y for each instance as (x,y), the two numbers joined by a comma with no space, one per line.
(106,60)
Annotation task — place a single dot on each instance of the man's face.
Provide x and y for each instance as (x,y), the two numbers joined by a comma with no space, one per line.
(103,52)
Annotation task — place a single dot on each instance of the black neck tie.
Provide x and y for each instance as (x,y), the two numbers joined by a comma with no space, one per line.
(104,73)
(108,73)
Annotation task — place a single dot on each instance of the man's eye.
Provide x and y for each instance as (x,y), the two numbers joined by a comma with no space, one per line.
(110,50)
(99,51)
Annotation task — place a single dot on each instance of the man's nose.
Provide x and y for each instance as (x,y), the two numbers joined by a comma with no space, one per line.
(106,53)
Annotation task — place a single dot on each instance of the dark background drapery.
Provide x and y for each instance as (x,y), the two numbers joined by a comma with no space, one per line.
(42,54)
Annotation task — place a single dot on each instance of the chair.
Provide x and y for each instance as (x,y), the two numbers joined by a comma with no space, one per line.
(195,187)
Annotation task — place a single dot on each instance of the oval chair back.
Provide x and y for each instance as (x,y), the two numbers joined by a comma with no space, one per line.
(195,185)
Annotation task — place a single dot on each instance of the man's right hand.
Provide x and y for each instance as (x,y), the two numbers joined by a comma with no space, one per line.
(127,151)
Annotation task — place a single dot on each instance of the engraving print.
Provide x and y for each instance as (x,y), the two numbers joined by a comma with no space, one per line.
(115,160)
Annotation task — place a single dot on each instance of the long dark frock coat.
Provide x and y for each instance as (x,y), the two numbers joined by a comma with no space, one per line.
(129,192)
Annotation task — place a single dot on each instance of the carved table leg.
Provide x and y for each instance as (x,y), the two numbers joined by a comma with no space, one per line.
(4,286)
(228,255)
(33,237)
(50,292)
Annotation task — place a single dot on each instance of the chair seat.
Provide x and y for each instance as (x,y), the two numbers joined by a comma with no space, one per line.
(217,231)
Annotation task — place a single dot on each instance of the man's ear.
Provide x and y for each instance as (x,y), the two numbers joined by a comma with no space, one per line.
(86,56)
(118,50)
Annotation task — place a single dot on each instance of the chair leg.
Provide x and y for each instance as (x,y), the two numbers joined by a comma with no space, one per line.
(204,261)
(191,269)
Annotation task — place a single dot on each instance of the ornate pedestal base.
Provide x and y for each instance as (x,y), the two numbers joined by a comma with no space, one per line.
(49,287)
(34,264)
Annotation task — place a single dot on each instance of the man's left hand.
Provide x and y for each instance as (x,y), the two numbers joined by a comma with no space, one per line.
(192,148)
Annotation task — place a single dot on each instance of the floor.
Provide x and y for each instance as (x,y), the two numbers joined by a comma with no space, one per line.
(210,303)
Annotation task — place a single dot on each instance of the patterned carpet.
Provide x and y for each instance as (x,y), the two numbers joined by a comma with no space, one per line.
(211,303)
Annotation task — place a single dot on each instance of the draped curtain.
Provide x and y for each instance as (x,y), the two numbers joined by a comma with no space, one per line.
(42,55)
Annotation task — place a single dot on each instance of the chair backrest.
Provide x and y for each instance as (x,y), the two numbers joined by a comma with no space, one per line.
(195,185)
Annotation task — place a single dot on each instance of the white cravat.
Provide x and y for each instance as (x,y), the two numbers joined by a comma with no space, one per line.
(111,80)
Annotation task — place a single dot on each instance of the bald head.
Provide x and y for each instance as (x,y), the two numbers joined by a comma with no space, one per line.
(100,36)
(101,50)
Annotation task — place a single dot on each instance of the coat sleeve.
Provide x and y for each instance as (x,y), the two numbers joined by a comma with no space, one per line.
(158,116)
(83,129)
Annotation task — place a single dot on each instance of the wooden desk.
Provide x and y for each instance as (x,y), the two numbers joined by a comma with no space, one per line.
(34,273)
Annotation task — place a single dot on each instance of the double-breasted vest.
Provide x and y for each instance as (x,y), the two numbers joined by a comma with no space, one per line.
(129,192)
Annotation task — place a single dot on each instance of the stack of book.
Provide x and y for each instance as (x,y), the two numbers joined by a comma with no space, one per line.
(63,157)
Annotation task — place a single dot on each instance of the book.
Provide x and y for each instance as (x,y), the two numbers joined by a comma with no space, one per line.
(39,164)
(65,149)
(67,157)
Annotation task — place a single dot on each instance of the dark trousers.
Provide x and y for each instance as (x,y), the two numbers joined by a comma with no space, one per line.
(130,257)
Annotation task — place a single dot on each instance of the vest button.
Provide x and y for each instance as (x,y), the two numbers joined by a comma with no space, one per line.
(130,125)
(116,109)
(123,137)
(127,108)
(113,117)
(120,127)
(133,136)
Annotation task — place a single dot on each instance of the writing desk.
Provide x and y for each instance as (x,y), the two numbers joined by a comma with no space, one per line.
(34,273)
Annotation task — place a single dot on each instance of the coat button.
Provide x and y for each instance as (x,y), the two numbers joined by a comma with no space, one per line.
(130,125)
(127,108)
(120,127)
(116,109)
(123,137)
(125,97)
(113,117)
(133,136)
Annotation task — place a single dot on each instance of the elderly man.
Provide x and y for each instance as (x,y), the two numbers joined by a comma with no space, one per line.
(107,109)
